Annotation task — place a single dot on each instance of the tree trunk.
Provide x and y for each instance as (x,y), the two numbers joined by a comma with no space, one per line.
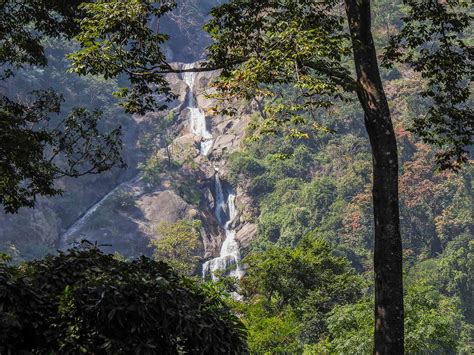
(168,154)
(388,335)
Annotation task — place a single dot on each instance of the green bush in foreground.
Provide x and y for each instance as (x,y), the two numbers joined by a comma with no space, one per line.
(84,301)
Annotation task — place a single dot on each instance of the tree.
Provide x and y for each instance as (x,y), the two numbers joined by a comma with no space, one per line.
(267,46)
(38,144)
(116,38)
(178,245)
(167,135)
(84,301)
(454,272)
(432,325)
(288,294)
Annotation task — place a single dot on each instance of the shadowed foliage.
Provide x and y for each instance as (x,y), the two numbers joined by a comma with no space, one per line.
(84,301)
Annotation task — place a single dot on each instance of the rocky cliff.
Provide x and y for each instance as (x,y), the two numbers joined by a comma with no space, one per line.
(120,209)
(125,219)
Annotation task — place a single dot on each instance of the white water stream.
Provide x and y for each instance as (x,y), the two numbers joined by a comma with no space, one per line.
(66,240)
(196,115)
(225,211)
(229,256)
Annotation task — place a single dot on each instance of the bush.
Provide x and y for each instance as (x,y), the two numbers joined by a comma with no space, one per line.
(84,301)
(178,245)
(152,169)
(432,325)
(289,293)
(188,190)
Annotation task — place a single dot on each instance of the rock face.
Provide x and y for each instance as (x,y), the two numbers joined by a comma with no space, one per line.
(245,234)
(121,209)
(164,206)
(128,217)
(32,233)
(126,220)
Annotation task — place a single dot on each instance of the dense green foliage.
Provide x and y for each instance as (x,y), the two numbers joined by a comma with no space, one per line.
(178,245)
(433,42)
(25,23)
(86,302)
(325,185)
(293,56)
(299,50)
(308,299)
(432,325)
(322,187)
(289,293)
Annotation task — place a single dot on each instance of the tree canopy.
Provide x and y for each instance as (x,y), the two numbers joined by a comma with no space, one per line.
(267,46)
(178,244)
(289,293)
(86,301)
(38,142)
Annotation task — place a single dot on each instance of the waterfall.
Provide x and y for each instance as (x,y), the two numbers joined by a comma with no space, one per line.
(229,255)
(196,115)
(64,239)
(220,203)
(225,210)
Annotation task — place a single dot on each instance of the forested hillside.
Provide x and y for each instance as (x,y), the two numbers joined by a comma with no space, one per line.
(269,219)
(319,186)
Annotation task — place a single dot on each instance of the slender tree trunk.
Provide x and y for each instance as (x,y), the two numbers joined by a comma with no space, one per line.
(388,335)
(168,153)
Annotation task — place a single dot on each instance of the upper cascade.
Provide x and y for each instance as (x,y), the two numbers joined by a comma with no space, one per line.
(196,115)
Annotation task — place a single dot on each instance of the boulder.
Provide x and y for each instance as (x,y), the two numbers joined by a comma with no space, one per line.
(164,206)
(245,234)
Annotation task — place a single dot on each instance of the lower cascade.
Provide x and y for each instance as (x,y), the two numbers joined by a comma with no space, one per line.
(229,256)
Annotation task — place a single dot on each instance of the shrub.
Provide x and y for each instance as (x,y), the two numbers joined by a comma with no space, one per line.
(84,301)
(152,169)
(178,245)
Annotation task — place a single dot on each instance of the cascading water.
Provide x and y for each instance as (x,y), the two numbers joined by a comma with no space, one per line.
(229,256)
(225,210)
(65,239)
(196,115)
